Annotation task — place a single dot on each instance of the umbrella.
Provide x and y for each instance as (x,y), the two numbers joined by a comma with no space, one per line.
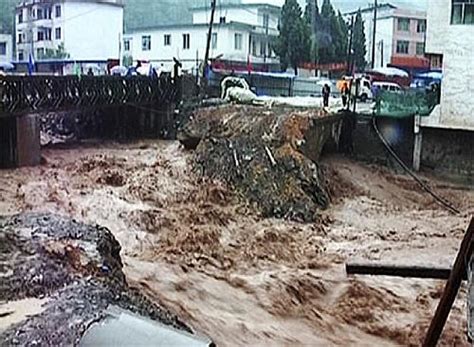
(118,70)
(7,66)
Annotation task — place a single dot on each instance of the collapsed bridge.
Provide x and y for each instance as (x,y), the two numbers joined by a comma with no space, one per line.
(109,98)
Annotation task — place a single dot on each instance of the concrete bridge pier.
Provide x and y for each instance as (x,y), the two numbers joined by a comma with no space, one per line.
(19,141)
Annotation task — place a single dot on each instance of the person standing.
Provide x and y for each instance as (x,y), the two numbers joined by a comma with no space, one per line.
(345,94)
(326,94)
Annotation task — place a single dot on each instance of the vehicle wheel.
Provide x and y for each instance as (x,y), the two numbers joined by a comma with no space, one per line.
(363,97)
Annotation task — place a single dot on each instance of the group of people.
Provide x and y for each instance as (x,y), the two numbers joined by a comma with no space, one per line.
(345,93)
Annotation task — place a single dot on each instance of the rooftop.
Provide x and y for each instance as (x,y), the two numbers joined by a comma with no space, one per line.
(234,6)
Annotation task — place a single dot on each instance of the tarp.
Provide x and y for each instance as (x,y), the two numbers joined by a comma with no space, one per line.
(405,103)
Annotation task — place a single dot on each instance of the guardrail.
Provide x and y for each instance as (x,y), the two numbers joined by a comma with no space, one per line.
(34,94)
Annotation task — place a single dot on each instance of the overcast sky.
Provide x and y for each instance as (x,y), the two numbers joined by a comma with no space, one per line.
(348,5)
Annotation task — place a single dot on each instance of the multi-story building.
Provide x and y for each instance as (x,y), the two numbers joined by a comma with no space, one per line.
(83,29)
(445,138)
(449,44)
(241,33)
(399,38)
(6,48)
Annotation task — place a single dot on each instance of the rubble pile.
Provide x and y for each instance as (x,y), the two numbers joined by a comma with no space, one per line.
(76,267)
(263,154)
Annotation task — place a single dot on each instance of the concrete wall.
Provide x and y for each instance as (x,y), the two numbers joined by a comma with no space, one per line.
(92,31)
(6,39)
(449,152)
(455,43)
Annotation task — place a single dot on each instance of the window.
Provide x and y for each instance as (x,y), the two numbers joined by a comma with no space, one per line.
(403,24)
(167,40)
(186,41)
(40,53)
(57,10)
(126,45)
(263,49)
(420,48)
(222,20)
(214,40)
(266,20)
(254,47)
(21,56)
(237,41)
(463,12)
(20,38)
(57,33)
(47,12)
(421,26)
(436,61)
(3,48)
(402,47)
(20,17)
(146,43)
(40,36)
(39,13)
(47,34)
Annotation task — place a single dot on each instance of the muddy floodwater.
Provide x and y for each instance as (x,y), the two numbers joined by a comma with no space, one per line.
(194,247)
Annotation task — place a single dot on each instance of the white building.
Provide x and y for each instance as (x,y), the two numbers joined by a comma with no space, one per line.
(399,38)
(449,42)
(89,30)
(6,48)
(241,32)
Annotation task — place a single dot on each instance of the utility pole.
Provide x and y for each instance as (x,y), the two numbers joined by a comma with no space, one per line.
(374,34)
(381,53)
(208,45)
(350,56)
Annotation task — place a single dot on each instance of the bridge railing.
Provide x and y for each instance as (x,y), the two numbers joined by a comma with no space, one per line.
(32,94)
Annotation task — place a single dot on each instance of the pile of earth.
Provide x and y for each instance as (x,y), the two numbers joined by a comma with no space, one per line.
(75,269)
(267,155)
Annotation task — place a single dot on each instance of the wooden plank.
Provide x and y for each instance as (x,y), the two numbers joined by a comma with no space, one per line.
(451,289)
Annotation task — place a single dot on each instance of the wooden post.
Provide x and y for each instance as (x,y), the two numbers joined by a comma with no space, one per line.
(417,145)
(451,289)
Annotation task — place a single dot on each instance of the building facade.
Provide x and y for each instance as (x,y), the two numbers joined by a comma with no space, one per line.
(449,44)
(6,48)
(400,37)
(242,33)
(86,30)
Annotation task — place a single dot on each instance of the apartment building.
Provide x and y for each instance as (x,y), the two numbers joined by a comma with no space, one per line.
(242,33)
(399,39)
(6,48)
(78,29)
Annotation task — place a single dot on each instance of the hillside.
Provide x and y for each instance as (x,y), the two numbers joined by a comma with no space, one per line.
(6,15)
(145,13)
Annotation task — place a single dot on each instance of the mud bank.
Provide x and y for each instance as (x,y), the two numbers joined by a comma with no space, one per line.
(72,271)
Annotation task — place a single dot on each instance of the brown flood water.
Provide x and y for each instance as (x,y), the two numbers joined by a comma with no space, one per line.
(240,279)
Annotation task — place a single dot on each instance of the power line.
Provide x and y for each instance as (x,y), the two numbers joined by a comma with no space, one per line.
(443,202)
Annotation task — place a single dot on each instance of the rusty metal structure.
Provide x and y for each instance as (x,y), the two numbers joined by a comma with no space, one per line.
(139,105)
(34,94)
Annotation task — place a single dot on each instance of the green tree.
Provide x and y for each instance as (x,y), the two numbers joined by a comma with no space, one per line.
(312,19)
(294,42)
(332,35)
(360,49)
(7,12)
(59,53)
